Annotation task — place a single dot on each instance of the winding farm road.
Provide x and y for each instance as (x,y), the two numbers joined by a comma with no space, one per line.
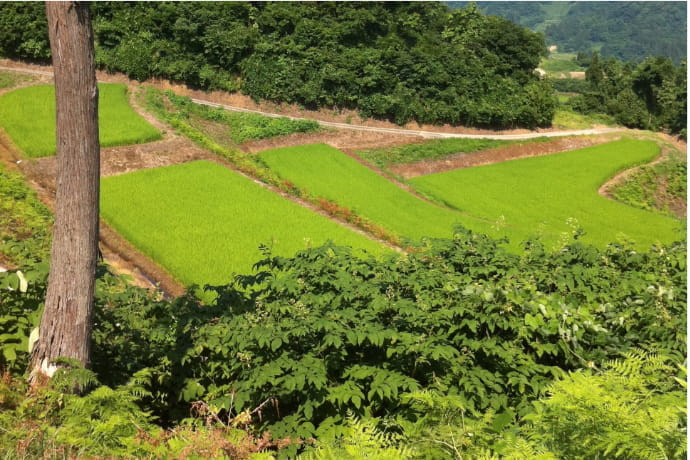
(412,132)
(402,131)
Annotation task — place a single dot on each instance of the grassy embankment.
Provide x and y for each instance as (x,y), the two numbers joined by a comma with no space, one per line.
(11,79)
(660,187)
(28,116)
(429,150)
(204,222)
(567,118)
(541,194)
(230,129)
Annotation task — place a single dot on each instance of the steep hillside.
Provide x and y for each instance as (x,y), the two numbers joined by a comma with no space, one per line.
(629,31)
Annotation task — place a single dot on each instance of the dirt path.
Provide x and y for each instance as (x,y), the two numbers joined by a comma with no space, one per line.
(428,132)
(340,119)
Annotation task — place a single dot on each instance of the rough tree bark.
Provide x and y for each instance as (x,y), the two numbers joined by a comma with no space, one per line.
(65,329)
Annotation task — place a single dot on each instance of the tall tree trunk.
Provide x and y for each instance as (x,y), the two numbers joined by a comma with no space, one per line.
(65,329)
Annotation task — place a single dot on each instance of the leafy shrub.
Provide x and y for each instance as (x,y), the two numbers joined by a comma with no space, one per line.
(569,85)
(21,305)
(360,439)
(481,330)
(326,332)
(46,420)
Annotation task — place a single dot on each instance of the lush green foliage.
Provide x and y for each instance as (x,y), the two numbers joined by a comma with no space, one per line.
(28,117)
(634,409)
(628,31)
(360,440)
(475,332)
(20,313)
(242,126)
(203,222)
(567,118)
(48,420)
(548,192)
(400,61)
(24,31)
(570,85)
(528,14)
(24,221)
(24,241)
(327,172)
(656,187)
(433,149)
(326,332)
(650,95)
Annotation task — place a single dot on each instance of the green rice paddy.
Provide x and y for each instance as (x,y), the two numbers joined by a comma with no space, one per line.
(329,173)
(203,222)
(541,194)
(28,116)
(546,196)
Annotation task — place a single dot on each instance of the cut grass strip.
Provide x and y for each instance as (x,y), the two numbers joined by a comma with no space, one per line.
(542,194)
(203,222)
(329,173)
(28,117)
(241,126)
(433,149)
(10,79)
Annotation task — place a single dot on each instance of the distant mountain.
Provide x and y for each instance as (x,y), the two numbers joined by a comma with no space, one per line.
(629,31)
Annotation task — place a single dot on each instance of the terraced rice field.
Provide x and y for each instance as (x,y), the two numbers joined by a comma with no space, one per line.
(28,116)
(203,222)
(329,173)
(539,195)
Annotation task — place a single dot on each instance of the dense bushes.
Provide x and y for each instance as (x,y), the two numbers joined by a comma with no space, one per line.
(306,339)
(400,61)
(650,95)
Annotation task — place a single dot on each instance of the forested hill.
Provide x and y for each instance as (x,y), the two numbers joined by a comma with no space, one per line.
(400,61)
(629,31)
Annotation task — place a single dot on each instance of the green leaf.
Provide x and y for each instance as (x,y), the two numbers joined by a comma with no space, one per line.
(276,343)
(502,420)
(9,353)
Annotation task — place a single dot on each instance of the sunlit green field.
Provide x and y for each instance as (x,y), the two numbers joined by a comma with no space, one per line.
(541,194)
(329,173)
(561,62)
(28,116)
(203,222)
